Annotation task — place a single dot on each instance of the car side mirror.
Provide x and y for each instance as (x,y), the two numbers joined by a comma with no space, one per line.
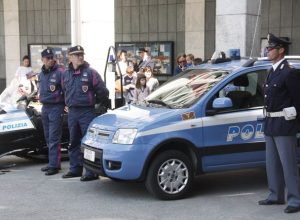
(222,103)
(219,104)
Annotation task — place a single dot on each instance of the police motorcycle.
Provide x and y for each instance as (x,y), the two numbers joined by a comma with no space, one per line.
(21,129)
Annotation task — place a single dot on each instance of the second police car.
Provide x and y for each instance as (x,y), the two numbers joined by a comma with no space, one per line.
(206,119)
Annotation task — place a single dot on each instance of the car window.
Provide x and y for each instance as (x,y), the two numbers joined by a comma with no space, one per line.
(245,91)
(183,91)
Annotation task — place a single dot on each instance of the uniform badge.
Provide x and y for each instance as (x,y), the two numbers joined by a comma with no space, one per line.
(48,51)
(52,88)
(85,88)
(188,116)
(78,47)
(85,74)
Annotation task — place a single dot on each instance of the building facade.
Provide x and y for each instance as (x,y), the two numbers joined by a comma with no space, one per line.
(194,26)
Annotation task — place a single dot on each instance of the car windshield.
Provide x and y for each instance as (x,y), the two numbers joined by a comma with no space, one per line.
(187,88)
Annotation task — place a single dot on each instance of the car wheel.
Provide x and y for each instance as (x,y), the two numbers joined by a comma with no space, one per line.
(170,175)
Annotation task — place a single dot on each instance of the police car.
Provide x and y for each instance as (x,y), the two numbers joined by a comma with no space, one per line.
(206,119)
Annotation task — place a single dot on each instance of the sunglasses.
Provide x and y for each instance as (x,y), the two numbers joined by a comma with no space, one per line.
(269,48)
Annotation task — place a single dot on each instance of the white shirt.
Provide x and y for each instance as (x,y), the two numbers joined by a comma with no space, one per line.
(152,83)
(275,65)
(123,66)
(21,73)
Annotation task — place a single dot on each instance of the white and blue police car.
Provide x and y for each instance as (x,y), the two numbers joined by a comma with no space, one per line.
(206,119)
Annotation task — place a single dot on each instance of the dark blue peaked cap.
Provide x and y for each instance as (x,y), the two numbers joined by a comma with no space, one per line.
(274,41)
(76,49)
(47,53)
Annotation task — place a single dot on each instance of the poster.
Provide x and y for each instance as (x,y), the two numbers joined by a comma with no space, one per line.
(160,52)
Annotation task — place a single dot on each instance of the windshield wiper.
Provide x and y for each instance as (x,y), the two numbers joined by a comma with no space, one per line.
(159,102)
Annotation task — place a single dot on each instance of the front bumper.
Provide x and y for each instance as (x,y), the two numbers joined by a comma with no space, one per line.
(117,161)
(97,165)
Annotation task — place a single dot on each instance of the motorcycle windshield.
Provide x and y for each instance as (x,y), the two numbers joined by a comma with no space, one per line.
(10,95)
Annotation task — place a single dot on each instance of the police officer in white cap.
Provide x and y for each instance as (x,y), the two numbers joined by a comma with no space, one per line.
(281,92)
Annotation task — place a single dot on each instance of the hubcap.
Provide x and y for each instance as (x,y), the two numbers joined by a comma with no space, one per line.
(172,176)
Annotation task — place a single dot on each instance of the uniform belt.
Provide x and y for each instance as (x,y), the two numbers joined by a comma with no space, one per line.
(275,114)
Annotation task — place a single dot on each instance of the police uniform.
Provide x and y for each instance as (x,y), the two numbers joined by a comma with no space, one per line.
(281,89)
(52,98)
(83,88)
(145,62)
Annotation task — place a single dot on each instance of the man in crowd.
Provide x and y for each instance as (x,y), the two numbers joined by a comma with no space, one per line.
(146,60)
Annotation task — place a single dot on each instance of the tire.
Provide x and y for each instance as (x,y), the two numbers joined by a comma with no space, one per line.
(170,175)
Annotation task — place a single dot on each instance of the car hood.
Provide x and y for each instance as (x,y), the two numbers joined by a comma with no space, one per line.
(133,116)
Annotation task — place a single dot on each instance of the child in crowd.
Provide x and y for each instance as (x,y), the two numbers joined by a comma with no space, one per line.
(141,89)
(152,82)
(129,82)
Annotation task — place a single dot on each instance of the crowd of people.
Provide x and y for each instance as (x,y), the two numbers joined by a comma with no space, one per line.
(133,73)
(137,78)
(185,61)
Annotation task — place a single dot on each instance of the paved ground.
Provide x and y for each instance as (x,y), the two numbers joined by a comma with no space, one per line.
(26,193)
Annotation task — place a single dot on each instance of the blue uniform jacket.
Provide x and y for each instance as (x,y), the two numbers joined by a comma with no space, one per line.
(83,87)
(281,90)
(50,89)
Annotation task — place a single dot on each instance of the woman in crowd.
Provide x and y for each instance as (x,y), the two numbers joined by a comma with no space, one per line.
(152,82)
(181,64)
(23,70)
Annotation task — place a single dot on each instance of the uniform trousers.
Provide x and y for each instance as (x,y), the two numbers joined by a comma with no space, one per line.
(79,119)
(282,169)
(52,118)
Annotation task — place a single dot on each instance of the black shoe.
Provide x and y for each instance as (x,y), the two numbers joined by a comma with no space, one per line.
(71,175)
(51,171)
(269,202)
(291,209)
(88,178)
(46,168)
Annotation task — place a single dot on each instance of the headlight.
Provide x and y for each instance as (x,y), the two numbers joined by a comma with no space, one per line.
(124,136)
(91,133)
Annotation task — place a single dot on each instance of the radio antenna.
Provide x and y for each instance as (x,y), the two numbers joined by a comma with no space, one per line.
(256,24)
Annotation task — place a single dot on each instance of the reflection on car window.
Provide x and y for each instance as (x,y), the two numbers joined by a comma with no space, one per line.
(188,88)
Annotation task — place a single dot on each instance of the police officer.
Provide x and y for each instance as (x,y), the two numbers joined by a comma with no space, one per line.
(146,60)
(83,88)
(281,91)
(52,98)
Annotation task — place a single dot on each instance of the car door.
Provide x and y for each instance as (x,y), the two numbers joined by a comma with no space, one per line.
(233,138)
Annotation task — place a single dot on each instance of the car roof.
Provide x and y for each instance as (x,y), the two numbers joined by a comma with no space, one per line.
(244,63)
